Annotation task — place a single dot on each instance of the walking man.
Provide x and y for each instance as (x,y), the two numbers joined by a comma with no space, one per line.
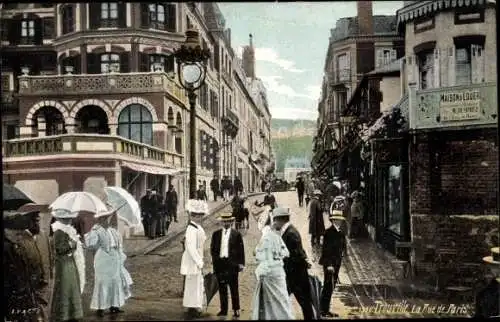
(201,194)
(146,210)
(192,259)
(331,259)
(296,265)
(300,186)
(171,202)
(237,185)
(228,258)
(214,186)
(316,221)
(154,218)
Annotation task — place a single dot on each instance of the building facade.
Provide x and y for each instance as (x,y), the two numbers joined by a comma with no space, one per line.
(357,46)
(90,98)
(295,166)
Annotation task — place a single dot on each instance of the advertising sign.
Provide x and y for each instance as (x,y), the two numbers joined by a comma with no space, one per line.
(460,106)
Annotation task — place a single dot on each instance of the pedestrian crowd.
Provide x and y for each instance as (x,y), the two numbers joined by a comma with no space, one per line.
(44,273)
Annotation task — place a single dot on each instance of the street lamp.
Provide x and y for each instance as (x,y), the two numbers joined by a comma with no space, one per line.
(191,71)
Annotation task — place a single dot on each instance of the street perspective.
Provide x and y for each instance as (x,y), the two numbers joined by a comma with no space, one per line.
(178,161)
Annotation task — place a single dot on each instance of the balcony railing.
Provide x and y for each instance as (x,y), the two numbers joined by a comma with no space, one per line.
(85,143)
(113,83)
(456,107)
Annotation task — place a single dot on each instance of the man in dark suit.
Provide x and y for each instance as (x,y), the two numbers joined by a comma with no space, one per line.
(228,258)
(331,259)
(147,204)
(214,186)
(296,265)
(171,203)
(300,186)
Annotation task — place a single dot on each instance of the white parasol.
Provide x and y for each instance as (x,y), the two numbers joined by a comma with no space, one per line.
(125,205)
(70,204)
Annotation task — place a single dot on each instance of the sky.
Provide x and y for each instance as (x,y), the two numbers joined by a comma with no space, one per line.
(290,41)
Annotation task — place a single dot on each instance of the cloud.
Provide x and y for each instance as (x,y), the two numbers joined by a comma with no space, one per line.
(291,113)
(271,56)
(273,85)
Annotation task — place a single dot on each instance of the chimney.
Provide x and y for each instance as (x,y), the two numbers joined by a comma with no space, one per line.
(249,59)
(365,17)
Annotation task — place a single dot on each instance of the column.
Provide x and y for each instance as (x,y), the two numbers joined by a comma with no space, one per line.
(113,129)
(42,127)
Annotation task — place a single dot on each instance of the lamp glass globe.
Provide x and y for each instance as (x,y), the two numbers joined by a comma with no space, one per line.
(191,73)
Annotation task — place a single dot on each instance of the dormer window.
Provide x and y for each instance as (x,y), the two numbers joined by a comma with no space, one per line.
(27,32)
(109,14)
(161,16)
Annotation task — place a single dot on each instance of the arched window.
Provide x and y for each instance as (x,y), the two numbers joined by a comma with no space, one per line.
(136,123)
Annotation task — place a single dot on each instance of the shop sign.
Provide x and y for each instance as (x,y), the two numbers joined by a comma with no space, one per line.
(460,106)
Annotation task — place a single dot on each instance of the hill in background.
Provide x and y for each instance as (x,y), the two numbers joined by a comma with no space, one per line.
(291,138)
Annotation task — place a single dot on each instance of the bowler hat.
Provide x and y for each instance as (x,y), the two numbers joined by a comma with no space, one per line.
(16,219)
(226,216)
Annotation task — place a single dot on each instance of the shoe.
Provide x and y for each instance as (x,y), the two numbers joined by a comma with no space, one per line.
(115,310)
(236,313)
(100,313)
(329,315)
(222,313)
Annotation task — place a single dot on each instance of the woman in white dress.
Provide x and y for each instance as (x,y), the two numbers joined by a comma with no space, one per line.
(111,280)
(271,300)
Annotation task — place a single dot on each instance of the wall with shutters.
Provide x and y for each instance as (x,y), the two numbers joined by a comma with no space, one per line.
(443,33)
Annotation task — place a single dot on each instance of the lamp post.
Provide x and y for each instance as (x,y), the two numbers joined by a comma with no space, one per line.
(191,71)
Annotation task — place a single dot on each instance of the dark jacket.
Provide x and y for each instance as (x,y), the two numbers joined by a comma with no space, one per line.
(201,194)
(148,205)
(236,251)
(171,199)
(300,186)
(297,261)
(316,220)
(214,185)
(238,185)
(333,244)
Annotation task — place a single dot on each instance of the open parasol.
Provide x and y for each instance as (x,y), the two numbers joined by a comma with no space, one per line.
(70,204)
(13,198)
(124,204)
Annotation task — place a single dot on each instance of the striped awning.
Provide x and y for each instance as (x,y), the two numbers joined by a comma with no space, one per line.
(151,169)
(423,8)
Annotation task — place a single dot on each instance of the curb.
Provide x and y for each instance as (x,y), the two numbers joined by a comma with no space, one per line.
(162,241)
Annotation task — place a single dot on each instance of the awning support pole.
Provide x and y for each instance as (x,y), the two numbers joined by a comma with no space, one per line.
(130,184)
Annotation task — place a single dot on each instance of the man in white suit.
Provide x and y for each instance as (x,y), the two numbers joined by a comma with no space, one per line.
(192,259)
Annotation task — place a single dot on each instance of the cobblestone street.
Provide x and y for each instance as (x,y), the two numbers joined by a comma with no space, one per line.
(365,279)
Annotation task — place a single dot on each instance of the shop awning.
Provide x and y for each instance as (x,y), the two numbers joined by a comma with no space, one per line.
(244,158)
(151,169)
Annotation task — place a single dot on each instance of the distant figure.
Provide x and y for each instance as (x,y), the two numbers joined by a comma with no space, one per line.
(201,193)
(316,221)
(147,204)
(299,185)
(238,207)
(226,188)
(237,185)
(214,186)
(171,202)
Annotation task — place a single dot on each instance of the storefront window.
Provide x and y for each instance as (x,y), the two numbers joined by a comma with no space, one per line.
(394,212)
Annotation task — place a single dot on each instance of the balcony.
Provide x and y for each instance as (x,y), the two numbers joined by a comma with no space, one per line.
(458,107)
(91,84)
(114,147)
(342,76)
(231,123)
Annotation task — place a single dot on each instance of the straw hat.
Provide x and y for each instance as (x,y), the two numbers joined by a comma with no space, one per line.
(337,215)
(226,216)
(280,212)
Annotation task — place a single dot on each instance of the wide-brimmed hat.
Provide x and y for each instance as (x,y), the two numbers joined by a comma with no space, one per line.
(15,219)
(226,216)
(317,192)
(280,212)
(336,215)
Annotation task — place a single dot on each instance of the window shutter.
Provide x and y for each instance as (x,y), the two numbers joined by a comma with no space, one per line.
(394,55)
(122,14)
(5,29)
(348,61)
(451,66)
(169,64)
(437,70)
(124,62)
(38,31)
(171,18)
(144,15)
(477,64)
(77,64)
(93,64)
(94,15)
(143,62)
(14,31)
(48,28)
(379,61)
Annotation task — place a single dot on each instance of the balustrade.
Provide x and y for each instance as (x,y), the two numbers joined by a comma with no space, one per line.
(68,143)
(113,83)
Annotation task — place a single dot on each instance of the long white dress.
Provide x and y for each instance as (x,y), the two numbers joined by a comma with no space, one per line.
(271,300)
(111,280)
(191,267)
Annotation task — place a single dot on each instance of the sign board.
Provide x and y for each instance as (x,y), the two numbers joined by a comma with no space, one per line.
(460,106)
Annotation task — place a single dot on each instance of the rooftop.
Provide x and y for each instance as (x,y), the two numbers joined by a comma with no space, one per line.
(348,27)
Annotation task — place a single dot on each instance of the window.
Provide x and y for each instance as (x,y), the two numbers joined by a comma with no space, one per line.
(463,66)
(178,144)
(136,123)
(109,14)
(426,69)
(110,63)
(27,32)
(161,63)
(68,19)
(343,68)
(157,16)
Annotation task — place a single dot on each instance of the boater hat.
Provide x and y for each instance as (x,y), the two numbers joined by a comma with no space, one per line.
(280,212)
(226,216)
(337,215)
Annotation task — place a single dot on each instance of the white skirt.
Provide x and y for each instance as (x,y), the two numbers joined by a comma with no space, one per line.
(194,292)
